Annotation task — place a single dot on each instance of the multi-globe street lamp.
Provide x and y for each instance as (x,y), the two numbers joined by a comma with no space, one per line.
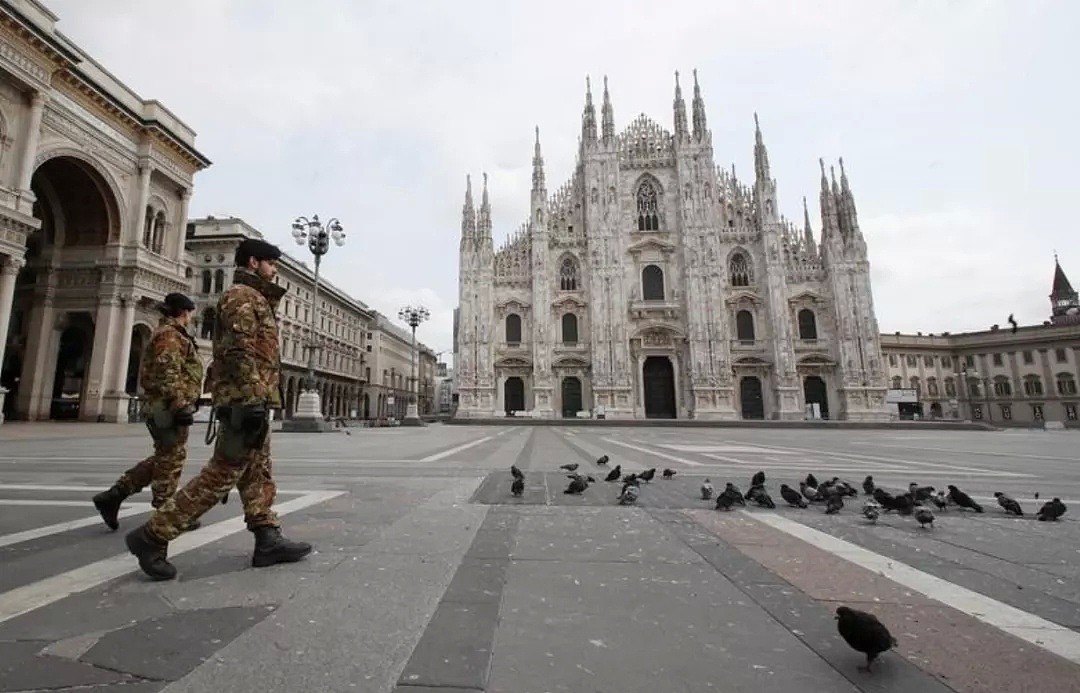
(413,316)
(317,236)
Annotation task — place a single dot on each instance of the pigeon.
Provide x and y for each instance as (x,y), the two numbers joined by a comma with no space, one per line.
(706,490)
(763,499)
(518,487)
(1051,510)
(848,489)
(1008,504)
(346,431)
(962,499)
(669,473)
(1012,321)
(792,497)
(925,517)
(871,511)
(570,467)
(811,481)
(864,633)
(577,485)
(631,478)
(834,504)
(885,499)
(809,492)
(920,493)
(602,460)
(629,494)
(724,502)
(733,490)
(647,475)
(904,504)
(614,474)
(868,485)
(1036,495)
(758,479)
(940,501)
(515,472)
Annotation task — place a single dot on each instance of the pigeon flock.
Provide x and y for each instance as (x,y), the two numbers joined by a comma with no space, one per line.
(862,631)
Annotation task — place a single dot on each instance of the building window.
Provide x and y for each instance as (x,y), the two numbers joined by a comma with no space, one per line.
(946,362)
(973,387)
(513,329)
(914,384)
(1028,358)
(931,387)
(969,361)
(219,281)
(739,269)
(1037,412)
(807,324)
(997,359)
(950,387)
(897,382)
(1006,412)
(1002,386)
(1060,355)
(652,283)
(1070,412)
(207,328)
(1033,386)
(912,361)
(928,361)
(569,329)
(648,207)
(892,360)
(1066,384)
(207,282)
(744,326)
(568,274)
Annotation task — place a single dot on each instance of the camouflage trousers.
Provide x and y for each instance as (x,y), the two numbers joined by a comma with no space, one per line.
(160,471)
(253,477)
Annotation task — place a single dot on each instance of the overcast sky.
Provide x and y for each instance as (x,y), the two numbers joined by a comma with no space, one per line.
(957,123)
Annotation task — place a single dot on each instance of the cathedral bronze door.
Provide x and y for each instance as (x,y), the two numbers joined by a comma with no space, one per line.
(514,394)
(814,392)
(753,404)
(658,377)
(571,397)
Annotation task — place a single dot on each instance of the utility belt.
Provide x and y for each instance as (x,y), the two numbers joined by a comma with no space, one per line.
(161,422)
(243,428)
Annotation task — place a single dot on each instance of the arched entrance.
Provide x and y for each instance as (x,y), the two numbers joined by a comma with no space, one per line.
(72,362)
(658,377)
(935,410)
(571,397)
(140,339)
(814,392)
(750,399)
(514,394)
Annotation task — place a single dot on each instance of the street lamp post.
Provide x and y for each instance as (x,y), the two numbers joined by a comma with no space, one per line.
(413,316)
(308,415)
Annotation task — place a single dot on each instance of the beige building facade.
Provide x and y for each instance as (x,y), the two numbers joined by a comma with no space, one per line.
(392,371)
(94,189)
(1022,377)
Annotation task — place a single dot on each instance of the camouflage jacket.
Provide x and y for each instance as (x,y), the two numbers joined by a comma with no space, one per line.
(247,354)
(171,373)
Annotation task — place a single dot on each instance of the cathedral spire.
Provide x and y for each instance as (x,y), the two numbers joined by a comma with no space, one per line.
(607,116)
(588,117)
(847,203)
(761,155)
(808,231)
(680,111)
(828,207)
(700,126)
(538,164)
(483,219)
(468,214)
(1064,300)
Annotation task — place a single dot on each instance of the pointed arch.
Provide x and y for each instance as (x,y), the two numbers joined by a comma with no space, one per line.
(569,273)
(648,194)
(740,267)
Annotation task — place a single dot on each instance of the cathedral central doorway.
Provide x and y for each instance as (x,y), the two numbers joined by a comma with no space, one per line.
(750,399)
(514,394)
(658,377)
(814,391)
(571,397)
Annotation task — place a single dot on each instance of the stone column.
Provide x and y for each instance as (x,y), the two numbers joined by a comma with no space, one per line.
(138,215)
(29,153)
(8,274)
(181,223)
(102,357)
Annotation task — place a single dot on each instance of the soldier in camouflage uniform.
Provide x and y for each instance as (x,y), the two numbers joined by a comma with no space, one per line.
(171,377)
(246,386)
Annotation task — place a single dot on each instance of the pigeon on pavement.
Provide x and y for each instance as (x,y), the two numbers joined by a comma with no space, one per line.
(925,517)
(1051,510)
(1008,504)
(864,633)
(614,474)
(940,501)
(706,490)
(792,497)
(868,485)
(871,511)
(602,460)
(569,467)
(669,473)
(647,475)
(758,479)
(963,500)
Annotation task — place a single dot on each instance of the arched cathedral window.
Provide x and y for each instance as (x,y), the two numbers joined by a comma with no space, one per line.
(568,274)
(648,208)
(739,269)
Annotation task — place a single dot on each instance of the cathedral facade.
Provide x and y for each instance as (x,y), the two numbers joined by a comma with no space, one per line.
(654,284)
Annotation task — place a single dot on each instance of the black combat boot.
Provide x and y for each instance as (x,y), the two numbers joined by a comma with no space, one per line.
(151,554)
(271,548)
(108,504)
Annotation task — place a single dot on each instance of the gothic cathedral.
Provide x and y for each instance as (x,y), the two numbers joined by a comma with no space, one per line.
(655,285)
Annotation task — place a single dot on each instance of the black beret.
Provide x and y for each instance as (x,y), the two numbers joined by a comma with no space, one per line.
(178,302)
(256,248)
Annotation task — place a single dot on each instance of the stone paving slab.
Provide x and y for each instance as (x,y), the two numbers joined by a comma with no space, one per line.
(23,668)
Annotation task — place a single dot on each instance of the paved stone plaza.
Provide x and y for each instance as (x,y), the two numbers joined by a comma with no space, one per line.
(429,576)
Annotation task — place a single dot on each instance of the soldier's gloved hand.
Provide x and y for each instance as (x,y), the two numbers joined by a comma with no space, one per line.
(184,417)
